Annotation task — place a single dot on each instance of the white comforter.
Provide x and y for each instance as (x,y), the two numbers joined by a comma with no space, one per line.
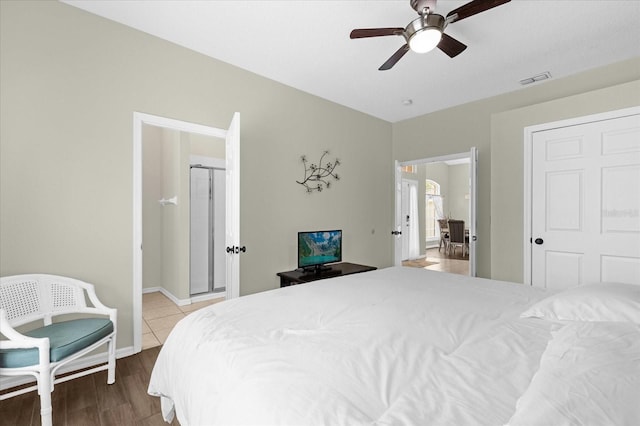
(397,346)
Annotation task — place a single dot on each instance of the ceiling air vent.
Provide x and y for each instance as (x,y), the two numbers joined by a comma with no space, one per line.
(539,77)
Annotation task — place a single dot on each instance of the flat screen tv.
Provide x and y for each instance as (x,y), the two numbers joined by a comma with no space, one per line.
(317,248)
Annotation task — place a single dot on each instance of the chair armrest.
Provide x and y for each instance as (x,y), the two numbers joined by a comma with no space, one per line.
(18,340)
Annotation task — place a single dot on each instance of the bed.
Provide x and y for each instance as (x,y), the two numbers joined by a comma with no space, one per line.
(407,346)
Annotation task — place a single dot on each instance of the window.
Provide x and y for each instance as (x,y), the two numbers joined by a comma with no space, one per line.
(433,210)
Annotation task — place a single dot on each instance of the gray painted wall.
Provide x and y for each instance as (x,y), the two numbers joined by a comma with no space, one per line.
(70,82)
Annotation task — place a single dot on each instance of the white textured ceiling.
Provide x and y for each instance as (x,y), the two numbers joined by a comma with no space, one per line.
(306,45)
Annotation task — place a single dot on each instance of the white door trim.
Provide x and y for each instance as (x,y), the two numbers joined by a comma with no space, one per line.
(473,211)
(528,170)
(397,226)
(138,120)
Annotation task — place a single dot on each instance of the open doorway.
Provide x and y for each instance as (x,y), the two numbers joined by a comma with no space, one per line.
(183,209)
(178,200)
(446,188)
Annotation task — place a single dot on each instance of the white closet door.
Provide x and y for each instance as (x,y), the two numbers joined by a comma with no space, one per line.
(586,204)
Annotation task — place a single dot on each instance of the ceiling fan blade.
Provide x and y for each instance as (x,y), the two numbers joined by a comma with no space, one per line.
(375,32)
(472,8)
(394,58)
(451,46)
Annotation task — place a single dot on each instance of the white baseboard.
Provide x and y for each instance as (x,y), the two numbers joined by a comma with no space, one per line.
(84,362)
(183,302)
(208,296)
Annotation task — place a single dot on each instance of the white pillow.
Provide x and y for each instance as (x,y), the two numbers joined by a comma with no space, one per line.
(592,302)
(589,375)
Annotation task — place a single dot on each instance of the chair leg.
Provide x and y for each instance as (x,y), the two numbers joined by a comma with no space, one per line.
(44,389)
(111,369)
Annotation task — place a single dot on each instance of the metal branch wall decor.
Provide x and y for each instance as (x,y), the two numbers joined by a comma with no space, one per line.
(318,177)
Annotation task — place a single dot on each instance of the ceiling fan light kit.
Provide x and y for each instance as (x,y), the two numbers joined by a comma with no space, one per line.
(427,31)
(424,34)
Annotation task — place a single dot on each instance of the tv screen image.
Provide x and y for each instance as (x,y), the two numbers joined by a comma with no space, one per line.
(318,248)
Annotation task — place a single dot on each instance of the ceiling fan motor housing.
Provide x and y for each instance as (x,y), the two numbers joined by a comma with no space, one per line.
(432,20)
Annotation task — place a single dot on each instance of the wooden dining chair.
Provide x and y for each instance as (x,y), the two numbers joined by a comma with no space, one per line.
(456,236)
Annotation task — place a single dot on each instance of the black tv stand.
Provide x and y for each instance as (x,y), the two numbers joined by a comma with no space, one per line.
(299,276)
(317,269)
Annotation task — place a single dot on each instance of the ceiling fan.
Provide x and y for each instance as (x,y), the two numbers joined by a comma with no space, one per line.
(427,31)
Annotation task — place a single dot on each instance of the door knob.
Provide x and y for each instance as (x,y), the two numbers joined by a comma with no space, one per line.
(538,241)
(236,249)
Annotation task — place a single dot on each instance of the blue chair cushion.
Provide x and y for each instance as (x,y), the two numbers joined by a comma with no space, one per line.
(65,338)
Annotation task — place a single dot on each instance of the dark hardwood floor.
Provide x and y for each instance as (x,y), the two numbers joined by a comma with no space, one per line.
(90,401)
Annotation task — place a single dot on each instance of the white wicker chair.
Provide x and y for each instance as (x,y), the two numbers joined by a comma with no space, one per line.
(41,352)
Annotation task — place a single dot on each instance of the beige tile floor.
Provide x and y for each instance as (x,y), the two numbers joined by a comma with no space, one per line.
(160,314)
